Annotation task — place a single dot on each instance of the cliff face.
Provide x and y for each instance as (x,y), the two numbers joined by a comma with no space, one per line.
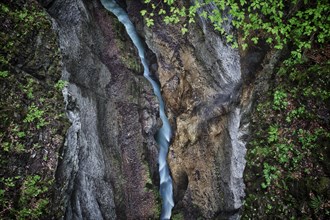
(208,88)
(208,104)
(109,166)
(109,162)
(201,79)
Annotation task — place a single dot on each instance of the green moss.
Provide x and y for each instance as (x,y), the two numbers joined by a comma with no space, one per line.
(130,59)
(150,187)
(178,216)
(128,54)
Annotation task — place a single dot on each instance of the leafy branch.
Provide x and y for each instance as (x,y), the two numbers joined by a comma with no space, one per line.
(299,23)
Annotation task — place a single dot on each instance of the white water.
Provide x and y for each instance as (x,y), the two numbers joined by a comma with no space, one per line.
(164,134)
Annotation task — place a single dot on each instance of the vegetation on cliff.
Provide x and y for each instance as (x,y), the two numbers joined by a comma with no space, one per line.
(279,23)
(287,174)
(288,157)
(32,123)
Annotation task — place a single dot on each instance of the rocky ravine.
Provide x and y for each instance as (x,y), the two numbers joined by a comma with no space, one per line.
(109,162)
(201,80)
(208,89)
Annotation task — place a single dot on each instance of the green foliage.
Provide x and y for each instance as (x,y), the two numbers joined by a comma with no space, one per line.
(28,88)
(35,115)
(279,100)
(286,173)
(61,84)
(31,205)
(25,111)
(273,134)
(4,74)
(277,22)
(316,203)
(26,20)
(270,173)
(178,216)
(295,113)
(150,21)
(31,189)
(32,125)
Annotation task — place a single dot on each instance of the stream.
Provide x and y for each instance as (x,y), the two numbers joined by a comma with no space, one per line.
(164,134)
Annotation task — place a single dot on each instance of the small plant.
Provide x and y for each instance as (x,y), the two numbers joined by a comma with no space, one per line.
(280,101)
(283,152)
(6,146)
(272,134)
(307,139)
(61,84)
(35,115)
(28,89)
(316,203)
(8,182)
(295,113)
(270,173)
(4,74)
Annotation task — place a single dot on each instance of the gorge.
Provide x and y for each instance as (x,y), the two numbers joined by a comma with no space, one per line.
(108,167)
(164,134)
(159,124)
(201,82)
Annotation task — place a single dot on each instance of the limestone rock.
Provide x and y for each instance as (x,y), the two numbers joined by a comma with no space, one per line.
(201,79)
(108,168)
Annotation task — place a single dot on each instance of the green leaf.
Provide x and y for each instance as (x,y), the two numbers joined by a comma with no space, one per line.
(169,2)
(255,40)
(150,22)
(162,12)
(4,74)
(229,38)
(184,30)
(143,12)
(278,46)
(269,40)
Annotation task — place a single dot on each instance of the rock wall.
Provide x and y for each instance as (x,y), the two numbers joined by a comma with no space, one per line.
(207,89)
(108,165)
(109,162)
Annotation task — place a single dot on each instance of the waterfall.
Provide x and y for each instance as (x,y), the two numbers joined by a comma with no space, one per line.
(164,133)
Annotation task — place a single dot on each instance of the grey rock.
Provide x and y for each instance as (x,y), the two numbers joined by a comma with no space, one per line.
(110,154)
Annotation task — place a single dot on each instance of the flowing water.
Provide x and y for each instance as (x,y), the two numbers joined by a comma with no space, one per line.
(164,134)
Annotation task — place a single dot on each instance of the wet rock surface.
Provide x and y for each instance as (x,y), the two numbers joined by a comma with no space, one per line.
(109,165)
(108,168)
(208,105)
